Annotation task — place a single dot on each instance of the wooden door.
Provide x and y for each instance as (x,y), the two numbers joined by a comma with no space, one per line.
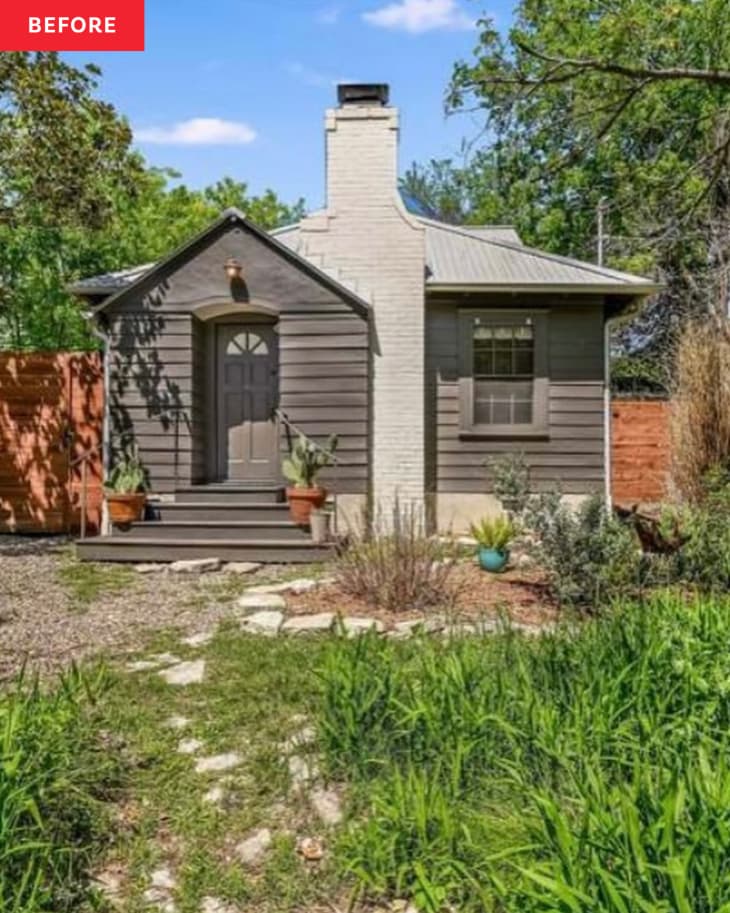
(247,362)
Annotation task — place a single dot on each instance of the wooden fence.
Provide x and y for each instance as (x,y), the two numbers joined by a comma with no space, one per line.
(640,454)
(51,410)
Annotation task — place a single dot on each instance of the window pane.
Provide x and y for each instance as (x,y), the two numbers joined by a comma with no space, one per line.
(522,412)
(503,402)
(503,362)
(523,362)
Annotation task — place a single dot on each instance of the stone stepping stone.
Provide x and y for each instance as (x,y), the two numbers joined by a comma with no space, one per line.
(241,567)
(215,795)
(354,626)
(189,746)
(199,640)
(266,623)
(302,770)
(215,905)
(154,662)
(162,883)
(252,850)
(327,805)
(150,568)
(187,673)
(177,722)
(218,763)
(196,566)
(309,624)
(255,602)
(300,585)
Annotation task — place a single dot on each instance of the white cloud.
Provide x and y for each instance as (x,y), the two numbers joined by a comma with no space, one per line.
(198,131)
(418,16)
(329,15)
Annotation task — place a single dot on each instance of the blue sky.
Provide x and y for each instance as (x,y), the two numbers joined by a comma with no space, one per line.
(239,87)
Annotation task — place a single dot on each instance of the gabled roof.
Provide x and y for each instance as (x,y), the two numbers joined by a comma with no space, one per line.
(117,284)
(458,258)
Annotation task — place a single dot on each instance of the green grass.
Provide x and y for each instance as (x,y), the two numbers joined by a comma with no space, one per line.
(54,776)
(254,696)
(86,582)
(580,773)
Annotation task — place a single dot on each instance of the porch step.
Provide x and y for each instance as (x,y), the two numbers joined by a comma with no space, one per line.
(153,549)
(231,530)
(229,493)
(208,511)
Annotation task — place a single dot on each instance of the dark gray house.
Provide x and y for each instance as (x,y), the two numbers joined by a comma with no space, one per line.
(426,347)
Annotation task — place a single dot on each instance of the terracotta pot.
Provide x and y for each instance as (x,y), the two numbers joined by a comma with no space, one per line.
(302,501)
(126,509)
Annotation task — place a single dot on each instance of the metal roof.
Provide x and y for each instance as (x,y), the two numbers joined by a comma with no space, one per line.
(458,257)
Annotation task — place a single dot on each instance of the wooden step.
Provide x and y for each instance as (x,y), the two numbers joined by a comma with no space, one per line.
(205,511)
(227,493)
(233,530)
(154,550)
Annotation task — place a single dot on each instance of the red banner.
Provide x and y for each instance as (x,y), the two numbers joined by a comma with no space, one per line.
(72,25)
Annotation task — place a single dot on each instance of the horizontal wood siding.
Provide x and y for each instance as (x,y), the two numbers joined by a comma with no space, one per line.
(160,352)
(322,395)
(154,399)
(571,455)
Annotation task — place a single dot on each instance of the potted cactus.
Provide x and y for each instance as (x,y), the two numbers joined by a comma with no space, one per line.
(493,538)
(126,490)
(301,468)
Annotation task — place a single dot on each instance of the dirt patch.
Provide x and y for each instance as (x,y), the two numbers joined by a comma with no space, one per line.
(519,595)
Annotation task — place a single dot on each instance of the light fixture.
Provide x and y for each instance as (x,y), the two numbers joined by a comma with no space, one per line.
(233,268)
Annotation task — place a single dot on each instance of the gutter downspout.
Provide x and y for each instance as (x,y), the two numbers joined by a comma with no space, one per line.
(106,420)
(607,438)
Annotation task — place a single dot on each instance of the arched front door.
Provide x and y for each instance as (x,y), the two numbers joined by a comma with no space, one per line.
(246,396)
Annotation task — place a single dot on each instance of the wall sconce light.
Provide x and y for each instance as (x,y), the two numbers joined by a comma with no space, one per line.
(233,268)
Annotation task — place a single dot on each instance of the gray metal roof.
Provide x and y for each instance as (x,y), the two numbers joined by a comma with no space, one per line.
(110,282)
(489,257)
(459,257)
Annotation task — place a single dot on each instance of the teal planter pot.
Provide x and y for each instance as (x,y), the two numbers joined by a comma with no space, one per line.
(492,560)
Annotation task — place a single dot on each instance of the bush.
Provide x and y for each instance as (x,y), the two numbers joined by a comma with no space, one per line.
(394,565)
(589,557)
(52,775)
(704,560)
(583,771)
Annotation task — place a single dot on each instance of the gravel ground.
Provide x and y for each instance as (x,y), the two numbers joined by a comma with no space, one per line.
(43,626)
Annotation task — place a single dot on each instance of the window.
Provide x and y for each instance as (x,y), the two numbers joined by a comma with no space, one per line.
(247,341)
(503,372)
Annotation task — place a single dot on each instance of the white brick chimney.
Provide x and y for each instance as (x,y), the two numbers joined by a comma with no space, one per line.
(367,234)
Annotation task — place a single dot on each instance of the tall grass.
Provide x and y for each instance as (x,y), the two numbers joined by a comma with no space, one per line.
(700,411)
(584,771)
(52,771)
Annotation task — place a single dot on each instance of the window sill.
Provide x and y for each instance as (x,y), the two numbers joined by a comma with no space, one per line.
(507,434)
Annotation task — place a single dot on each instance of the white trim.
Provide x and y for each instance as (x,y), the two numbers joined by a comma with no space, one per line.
(607,438)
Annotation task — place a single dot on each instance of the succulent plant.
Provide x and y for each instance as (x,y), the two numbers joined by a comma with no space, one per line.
(307,460)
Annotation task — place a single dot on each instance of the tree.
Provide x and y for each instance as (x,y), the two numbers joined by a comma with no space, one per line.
(627,100)
(76,199)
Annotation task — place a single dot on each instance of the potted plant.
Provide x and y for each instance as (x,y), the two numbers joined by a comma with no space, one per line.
(494,538)
(126,490)
(301,468)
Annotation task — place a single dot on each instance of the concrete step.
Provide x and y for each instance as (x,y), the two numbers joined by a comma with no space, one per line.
(205,511)
(231,530)
(271,551)
(226,493)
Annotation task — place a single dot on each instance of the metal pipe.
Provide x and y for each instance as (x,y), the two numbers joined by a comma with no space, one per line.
(106,454)
(607,456)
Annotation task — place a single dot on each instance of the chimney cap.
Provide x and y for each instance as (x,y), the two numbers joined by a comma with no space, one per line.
(376,93)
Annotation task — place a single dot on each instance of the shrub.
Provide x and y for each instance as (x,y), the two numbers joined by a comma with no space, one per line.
(52,774)
(588,555)
(396,566)
(704,560)
(510,481)
(700,417)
